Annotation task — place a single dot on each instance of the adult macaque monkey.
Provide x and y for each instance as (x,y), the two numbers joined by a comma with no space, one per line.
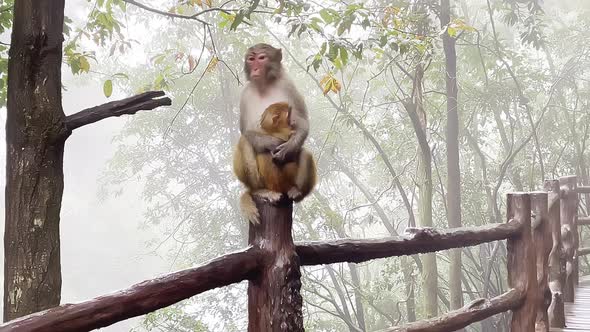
(268,84)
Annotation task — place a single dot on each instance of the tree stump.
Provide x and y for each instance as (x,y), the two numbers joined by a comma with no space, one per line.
(274,296)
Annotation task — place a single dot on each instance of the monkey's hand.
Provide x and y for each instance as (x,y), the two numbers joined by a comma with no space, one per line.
(262,143)
(285,152)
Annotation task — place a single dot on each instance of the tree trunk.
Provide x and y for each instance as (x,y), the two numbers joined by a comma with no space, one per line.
(274,296)
(410,293)
(35,137)
(418,117)
(453,170)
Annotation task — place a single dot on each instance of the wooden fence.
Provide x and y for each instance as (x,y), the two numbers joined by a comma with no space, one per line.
(542,242)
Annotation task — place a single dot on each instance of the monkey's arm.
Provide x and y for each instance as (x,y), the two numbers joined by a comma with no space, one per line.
(299,124)
(261,142)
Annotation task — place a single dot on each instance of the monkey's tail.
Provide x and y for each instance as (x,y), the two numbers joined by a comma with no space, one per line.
(249,209)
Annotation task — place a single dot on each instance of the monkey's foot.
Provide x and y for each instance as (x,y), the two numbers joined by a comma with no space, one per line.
(271,196)
(295,194)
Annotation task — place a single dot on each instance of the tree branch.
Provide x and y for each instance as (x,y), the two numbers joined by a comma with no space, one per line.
(474,312)
(420,240)
(161,12)
(144,297)
(145,101)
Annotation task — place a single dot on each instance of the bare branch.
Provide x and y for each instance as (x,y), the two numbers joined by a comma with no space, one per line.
(145,101)
(161,12)
(144,297)
(420,240)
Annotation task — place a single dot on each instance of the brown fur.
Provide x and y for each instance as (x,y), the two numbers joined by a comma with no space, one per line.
(295,178)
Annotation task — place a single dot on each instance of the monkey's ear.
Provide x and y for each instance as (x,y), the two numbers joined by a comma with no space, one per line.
(289,110)
(279,54)
(275,118)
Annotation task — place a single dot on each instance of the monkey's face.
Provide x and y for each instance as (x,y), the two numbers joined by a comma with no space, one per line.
(262,63)
(257,64)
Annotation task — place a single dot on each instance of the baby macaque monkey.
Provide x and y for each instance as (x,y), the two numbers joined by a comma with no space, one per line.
(295,178)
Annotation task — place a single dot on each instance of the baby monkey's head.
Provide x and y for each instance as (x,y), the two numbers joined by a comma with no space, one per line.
(276,117)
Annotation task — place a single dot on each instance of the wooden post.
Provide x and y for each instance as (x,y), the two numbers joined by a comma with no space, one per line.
(521,263)
(568,215)
(274,297)
(543,244)
(556,309)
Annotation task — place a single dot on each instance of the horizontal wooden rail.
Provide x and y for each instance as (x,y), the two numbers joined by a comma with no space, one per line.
(419,240)
(583,221)
(583,190)
(583,251)
(142,298)
(475,311)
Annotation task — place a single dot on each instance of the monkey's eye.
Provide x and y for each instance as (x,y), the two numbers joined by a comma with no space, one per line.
(251,58)
(262,57)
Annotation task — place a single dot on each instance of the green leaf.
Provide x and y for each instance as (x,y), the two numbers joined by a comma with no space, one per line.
(107,88)
(326,16)
(343,55)
(333,52)
(84,64)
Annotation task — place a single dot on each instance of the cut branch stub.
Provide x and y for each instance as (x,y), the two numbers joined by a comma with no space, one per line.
(274,297)
(543,244)
(556,309)
(142,102)
(521,263)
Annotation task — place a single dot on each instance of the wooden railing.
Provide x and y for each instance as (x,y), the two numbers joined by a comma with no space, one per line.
(542,262)
(564,266)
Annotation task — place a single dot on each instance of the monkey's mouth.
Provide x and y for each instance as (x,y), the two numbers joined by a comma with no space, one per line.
(255,73)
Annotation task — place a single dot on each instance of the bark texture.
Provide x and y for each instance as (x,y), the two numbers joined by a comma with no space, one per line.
(35,137)
(274,296)
(556,309)
(569,233)
(522,264)
(543,244)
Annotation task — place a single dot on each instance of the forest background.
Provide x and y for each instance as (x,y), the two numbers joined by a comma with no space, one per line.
(155,193)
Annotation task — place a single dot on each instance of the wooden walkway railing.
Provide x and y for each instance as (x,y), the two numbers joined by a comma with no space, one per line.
(542,243)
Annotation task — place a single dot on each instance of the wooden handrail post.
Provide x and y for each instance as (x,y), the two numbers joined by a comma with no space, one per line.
(274,297)
(569,232)
(543,244)
(556,309)
(521,263)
